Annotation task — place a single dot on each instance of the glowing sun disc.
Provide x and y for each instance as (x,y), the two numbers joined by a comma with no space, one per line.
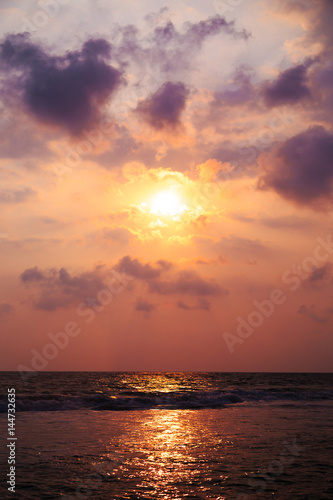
(167,203)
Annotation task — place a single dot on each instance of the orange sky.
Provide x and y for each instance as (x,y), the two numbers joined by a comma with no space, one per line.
(166,185)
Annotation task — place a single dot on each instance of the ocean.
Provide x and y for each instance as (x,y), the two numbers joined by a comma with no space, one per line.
(121,435)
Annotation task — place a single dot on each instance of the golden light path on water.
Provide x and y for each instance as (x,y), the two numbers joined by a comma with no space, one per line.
(170,444)
(167,458)
(165,451)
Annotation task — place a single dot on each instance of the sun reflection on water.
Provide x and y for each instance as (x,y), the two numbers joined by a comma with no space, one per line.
(166,459)
(168,453)
(168,438)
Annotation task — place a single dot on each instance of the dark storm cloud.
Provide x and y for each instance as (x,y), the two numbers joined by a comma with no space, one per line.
(164,107)
(67,90)
(301,168)
(16,195)
(290,87)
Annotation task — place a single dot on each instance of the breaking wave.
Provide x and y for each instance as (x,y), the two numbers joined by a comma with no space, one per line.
(161,400)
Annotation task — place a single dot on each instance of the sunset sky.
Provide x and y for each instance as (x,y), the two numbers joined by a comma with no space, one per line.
(166,185)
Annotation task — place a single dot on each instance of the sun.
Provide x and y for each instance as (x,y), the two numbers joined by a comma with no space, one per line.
(167,203)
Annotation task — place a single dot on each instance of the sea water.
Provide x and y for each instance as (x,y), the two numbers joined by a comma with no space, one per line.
(169,436)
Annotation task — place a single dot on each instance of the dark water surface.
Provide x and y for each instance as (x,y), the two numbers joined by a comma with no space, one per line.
(183,435)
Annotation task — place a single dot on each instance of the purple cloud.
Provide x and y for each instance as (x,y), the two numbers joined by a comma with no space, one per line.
(6,308)
(301,168)
(144,306)
(53,289)
(16,195)
(181,282)
(195,34)
(319,273)
(32,274)
(188,283)
(56,289)
(198,32)
(66,91)
(310,312)
(167,48)
(240,91)
(145,272)
(164,107)
(290,87)
(202,305)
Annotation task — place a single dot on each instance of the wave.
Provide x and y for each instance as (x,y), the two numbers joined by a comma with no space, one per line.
(161,400)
